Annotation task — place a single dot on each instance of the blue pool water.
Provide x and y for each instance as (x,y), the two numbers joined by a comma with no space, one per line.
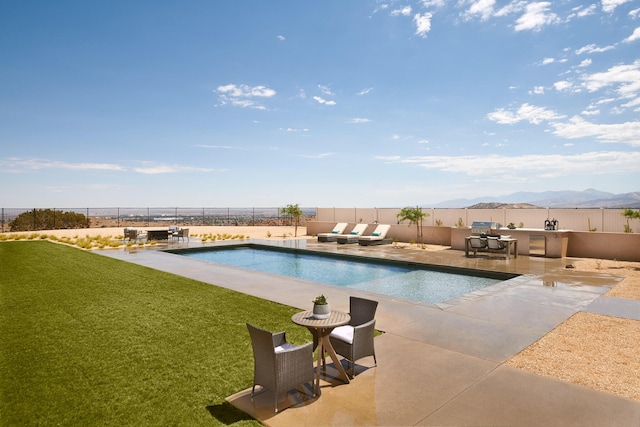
(400,281)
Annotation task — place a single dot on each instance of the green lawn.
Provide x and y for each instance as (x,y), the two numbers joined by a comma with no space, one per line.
(88,340)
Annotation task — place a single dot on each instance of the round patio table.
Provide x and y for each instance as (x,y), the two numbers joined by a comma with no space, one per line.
(321,329)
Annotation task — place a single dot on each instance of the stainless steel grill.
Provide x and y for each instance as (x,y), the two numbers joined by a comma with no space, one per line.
(482,227)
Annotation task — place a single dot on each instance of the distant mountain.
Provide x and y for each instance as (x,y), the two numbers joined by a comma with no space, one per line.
(495,205)
(554,199)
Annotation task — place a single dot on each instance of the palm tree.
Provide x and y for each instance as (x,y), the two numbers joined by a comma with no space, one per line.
(630,214)
(295,212)
(414,216)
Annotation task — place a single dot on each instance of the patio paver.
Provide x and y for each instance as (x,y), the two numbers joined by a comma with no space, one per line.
(439,364)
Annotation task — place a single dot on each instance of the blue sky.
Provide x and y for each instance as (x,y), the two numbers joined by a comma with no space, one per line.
(321,103)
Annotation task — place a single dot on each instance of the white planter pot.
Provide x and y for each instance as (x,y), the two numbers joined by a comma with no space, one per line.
(321,311)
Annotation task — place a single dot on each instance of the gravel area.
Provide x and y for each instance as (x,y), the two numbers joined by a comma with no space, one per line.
(601,352)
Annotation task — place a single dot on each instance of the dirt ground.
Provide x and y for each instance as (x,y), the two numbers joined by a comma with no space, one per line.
(600,352)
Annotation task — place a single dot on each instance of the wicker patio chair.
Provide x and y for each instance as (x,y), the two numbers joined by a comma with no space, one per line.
(495,245)
(355,340)
(180,234)
(278,365)
(477,244)
(133,235)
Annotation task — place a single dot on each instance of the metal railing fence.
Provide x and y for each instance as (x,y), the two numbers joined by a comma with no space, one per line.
(51,218)
(596,220)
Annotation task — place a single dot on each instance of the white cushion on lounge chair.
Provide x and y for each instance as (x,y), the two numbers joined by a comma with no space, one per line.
(353,235)
(343,333)
(358,229)
(379,233)
(337,230)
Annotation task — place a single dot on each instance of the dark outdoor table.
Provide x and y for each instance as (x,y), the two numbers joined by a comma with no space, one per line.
(158,235)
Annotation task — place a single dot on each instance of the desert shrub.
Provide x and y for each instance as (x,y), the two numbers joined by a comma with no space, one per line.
(48,219)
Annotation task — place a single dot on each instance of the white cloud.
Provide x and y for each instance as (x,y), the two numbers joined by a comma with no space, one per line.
(316,156)
(22,165)
(531,113)
(294,130)
(423,24)
(436,4)
(246,91)
(585,63)
(592,48)
(546,61)
(323,101)
(633,103)
(581,11)
(220,147)
(161,169)
(16,164)
(605,101)
(626,77)
(633,37)
(405,11)
(481,8)
(610,5)
(527,167)
(243,95)
(577,127)
(536,16)
(591,111)
(538,90)
(511,7)
(562,85)
(365,91)
(281,38)
(326,90)
(382,6)
(358,120)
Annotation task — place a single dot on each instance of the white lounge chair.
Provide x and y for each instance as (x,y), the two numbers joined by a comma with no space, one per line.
(333,235)
(353,235)
(378,237)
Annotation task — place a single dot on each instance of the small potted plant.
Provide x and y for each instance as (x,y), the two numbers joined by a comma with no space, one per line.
(511,226)
(321,308)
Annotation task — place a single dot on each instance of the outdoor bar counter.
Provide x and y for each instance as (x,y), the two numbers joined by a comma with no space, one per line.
(531,241)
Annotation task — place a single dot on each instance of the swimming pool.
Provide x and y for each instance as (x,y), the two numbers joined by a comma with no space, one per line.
(414,282)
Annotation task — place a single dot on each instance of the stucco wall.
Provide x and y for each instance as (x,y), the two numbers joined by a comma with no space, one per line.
(563,243)
(600,220)
(620,246)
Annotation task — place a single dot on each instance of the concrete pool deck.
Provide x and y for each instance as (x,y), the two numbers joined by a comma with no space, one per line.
(437,364)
